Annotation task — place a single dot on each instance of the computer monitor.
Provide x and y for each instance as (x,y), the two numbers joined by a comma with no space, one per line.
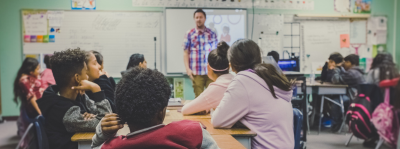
(289,64)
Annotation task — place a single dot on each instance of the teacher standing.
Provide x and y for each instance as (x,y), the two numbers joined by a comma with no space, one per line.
(198,43)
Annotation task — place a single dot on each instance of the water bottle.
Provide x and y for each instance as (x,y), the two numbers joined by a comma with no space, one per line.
(312,77)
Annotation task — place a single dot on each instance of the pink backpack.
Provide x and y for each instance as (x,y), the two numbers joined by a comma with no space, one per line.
(385,120)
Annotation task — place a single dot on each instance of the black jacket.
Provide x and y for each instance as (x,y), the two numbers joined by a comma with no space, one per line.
(63,117)
(108,87)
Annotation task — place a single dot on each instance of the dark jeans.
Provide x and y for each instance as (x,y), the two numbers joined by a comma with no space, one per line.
(336,111)
(330,109)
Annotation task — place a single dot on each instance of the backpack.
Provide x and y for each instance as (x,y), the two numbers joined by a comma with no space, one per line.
(385,120)
(358,117)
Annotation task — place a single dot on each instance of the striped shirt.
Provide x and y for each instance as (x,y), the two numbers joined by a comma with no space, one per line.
(199,43)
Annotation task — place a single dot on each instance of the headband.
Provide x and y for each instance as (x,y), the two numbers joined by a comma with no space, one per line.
(217,69)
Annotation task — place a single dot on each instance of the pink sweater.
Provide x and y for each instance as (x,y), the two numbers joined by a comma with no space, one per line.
(47,78)
(211,97)
(249,101)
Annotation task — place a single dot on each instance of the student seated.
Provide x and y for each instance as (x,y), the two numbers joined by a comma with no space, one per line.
(136,60)
(98,76)
(218,71)
(142,97)
(61,104)
(258,97)
(381,65)
(28,88)
(349,74)
(335,59)
(275,55)
(100,61)
(47,74)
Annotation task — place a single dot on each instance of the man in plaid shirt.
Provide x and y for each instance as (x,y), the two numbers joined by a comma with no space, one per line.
(198,43)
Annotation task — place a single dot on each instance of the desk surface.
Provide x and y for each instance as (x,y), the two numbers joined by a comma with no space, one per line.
(227,141)
(317,83)
(174,115)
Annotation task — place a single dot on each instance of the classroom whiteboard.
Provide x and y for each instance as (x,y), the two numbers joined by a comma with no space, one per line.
(116,35)
(179,21)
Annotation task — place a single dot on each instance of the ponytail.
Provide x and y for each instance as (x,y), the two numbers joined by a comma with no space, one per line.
(245,54)
(217,59)
(272,77)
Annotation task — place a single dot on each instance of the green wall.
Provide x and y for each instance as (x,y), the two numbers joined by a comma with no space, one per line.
(10,31)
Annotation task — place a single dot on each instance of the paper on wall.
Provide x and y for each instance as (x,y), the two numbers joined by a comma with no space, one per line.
(35,24)
(358,31)
(270,42)
(342,5)
(271,23)
(55,18)
(381,36)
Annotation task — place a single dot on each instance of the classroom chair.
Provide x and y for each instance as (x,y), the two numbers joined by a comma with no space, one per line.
(297,123)
(35,136)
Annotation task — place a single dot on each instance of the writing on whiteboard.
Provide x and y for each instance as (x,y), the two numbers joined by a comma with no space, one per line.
(104,23)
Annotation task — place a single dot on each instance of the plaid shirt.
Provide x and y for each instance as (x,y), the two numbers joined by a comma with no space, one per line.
(199,43)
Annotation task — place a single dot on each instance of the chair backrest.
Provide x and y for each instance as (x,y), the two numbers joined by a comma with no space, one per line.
(28,140)
(35,136)
(297,123)
(41,133)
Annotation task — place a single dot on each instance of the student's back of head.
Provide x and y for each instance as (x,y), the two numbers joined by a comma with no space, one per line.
(67,66)
(47,61)
(275,55)
(387,68)
(218,60)
(136,60)
(245,54)
(142,97)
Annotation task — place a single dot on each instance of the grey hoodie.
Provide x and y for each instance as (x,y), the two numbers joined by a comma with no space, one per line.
(351,77)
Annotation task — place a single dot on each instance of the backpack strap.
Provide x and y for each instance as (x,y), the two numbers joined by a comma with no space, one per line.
(387,95)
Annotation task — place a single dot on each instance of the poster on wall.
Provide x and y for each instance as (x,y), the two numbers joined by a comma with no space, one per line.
(83,4)
(178,86)
(362,6)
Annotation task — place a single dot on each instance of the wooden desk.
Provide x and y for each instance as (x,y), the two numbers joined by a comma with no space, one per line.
(242,136)
(227,142)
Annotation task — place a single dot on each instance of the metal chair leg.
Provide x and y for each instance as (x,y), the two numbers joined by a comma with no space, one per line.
(343,116)
(320,114)
(308,122)
(348,141)
(379,143)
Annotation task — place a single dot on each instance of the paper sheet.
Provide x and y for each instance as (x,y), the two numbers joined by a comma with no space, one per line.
(272,23)
(344,41)
(358,31)
(55,18)
(270,42)
(35,24)
(342,5)
(381,36)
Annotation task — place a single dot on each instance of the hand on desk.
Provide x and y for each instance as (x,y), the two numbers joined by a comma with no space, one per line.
(111,123)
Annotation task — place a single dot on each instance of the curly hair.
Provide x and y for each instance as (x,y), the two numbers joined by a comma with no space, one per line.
(140,95)
(66,64)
